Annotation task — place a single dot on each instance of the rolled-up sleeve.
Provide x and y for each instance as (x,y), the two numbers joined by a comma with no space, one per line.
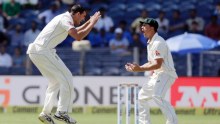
(67,23)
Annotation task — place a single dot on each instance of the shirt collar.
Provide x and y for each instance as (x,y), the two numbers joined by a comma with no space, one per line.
(68,13)
(152,39)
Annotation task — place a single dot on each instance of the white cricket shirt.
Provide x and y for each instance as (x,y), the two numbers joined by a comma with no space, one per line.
(55,31)
(157,48)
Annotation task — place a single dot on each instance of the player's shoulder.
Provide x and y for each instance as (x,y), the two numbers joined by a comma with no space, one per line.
(159,40)
(64,15)
(58,17)
(159,43)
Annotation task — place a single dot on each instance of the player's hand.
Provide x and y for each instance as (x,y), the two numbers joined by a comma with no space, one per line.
(135,67)
(132,67)
(128,67)
(94,18)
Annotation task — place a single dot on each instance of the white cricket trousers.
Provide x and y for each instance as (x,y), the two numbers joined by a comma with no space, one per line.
(60,80)
(155,89)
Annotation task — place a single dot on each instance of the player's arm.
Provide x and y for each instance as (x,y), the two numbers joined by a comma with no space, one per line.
(152,65)
(146,64)
(83,26)
(80,34)
(132,67)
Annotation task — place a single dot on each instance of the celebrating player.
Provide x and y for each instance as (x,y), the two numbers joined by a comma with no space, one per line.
(160,62)
(43,55)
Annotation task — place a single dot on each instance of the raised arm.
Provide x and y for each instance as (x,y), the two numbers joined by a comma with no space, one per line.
(83,31)
(83,26)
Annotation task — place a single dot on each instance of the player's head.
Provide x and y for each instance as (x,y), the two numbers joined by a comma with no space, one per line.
(78,13)
(149,26)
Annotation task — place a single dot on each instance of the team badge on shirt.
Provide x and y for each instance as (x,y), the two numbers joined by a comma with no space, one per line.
(157,53)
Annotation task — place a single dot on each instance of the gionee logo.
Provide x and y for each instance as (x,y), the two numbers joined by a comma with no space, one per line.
(5,93)
(205,96)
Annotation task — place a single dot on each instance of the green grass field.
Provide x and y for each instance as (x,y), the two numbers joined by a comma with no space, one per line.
(25,118)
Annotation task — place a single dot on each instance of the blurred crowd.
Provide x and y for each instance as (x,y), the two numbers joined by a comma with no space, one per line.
(22,20)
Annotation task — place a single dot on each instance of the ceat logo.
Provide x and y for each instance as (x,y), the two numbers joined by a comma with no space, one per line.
(5,93)
(196,92)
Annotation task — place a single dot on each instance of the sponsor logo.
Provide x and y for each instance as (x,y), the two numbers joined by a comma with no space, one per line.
(157,53)
(1,109)
(97,110)
(211,111)
(196,92)
(17,109)
(5,93)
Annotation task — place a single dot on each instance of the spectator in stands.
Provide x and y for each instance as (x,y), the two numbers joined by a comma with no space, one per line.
(16,36)
(135,25)
(99,39)
(48,14)
(126,32)
(31,34)
(18,58)
(3,1)
(2,22)
(195,28)
(217,11)
(106,37)
(119,44)
(5,58)
(29,4)
(136,42)
(163,24)
(212,30)
(177,24)
(94,38)
(105,21)
(193,20)
(68,2)
(92,1)
(3,39)
(11,9)
(88,12)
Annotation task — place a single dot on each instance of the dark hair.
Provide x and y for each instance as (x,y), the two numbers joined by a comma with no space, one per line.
(77,8)
(176,11)
(195,23)
(102,9)
(123,22)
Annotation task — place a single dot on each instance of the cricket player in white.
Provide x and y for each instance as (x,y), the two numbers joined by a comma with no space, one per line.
(43,55)
(160,62)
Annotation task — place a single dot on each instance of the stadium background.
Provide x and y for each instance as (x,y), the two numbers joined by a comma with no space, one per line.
(98,71)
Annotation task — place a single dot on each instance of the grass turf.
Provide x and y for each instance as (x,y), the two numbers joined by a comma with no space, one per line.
(26,118)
